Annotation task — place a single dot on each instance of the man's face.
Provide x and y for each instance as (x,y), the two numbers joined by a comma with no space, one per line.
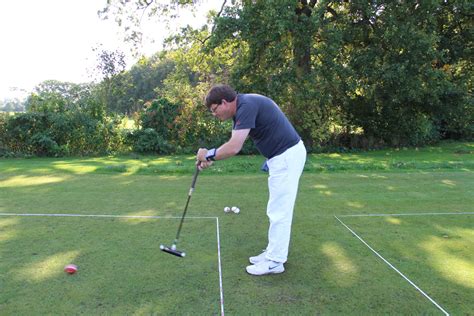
(223,111)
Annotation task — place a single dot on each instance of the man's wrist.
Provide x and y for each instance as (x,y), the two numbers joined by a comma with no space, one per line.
(211,154)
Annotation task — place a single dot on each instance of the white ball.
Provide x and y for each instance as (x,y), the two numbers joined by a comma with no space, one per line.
(235,209)
(226,209)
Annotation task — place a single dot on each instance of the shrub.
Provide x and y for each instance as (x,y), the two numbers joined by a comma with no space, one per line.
(148,141)
(58,134)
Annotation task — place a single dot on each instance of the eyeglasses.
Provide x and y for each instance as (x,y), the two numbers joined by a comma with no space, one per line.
(213,110)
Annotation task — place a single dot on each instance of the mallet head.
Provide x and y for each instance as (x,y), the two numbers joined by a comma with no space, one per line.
(172,250)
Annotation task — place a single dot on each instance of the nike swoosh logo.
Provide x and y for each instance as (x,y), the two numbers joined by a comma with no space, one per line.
(271,268)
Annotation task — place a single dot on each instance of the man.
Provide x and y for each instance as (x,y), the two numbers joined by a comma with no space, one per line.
(260,118)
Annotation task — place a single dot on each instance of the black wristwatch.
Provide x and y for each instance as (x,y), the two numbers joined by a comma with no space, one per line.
(211,154)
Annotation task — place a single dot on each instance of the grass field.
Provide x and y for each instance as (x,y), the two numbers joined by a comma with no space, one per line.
(415,198)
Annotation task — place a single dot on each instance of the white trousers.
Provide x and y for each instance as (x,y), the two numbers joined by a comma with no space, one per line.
(285,171)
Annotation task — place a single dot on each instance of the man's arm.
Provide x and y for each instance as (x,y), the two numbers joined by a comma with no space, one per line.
(228,149)
(234,145)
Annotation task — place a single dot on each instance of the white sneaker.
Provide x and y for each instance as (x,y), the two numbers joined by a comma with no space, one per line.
(261,257)
(266,267)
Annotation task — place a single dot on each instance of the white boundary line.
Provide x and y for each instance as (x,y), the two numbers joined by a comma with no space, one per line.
(405,214)
(221,288)
(220,266)
(391,266)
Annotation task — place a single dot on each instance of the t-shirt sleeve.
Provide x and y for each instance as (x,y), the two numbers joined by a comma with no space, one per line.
(245,117)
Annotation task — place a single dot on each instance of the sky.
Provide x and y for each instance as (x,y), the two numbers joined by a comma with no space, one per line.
(53,40)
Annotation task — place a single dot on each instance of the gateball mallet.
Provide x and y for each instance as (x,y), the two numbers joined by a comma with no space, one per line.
(172,250)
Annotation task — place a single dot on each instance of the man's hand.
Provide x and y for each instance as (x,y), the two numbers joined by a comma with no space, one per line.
(203,165)
(201,155)
(201,160)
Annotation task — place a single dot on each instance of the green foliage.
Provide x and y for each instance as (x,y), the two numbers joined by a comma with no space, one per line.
(274,44)
(59,134)
(456,37)
(44,145)
(60,97)
(159,129)
(148,140)
(160,115)
(349,74)
(147,75)
(62,119)
(185,88)
(361,64)
(182,127)
(3,141)
(127,92)
(391,85)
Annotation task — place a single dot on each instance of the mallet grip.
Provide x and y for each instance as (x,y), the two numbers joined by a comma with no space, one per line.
(193,184)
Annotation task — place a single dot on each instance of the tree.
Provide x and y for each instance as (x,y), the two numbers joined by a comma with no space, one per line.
(394,90)
(361,64)
(54,96)
(129,15)
(287,56)
(12,105)
(397,72)
(60,97)
(454,25)
(110,68)
(144,79)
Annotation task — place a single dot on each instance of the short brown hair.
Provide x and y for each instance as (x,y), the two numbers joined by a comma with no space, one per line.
(219,92)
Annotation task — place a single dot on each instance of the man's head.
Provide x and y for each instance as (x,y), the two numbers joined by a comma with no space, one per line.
(221,101)
(218,93)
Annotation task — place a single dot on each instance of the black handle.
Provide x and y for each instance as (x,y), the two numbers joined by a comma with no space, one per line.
(193,184)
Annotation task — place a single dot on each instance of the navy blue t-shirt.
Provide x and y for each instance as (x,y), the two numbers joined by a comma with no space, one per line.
(270,129)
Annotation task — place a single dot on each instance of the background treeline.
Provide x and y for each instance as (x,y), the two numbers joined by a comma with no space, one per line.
(349,74)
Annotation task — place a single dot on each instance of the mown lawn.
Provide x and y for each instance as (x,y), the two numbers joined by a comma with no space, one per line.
(122,271)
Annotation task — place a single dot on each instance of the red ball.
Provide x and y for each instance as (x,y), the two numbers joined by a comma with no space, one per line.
(70,268)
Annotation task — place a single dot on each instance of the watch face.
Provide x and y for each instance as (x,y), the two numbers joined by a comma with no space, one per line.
(211,154)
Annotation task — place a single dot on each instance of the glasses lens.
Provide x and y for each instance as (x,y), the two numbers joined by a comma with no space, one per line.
(213,109)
